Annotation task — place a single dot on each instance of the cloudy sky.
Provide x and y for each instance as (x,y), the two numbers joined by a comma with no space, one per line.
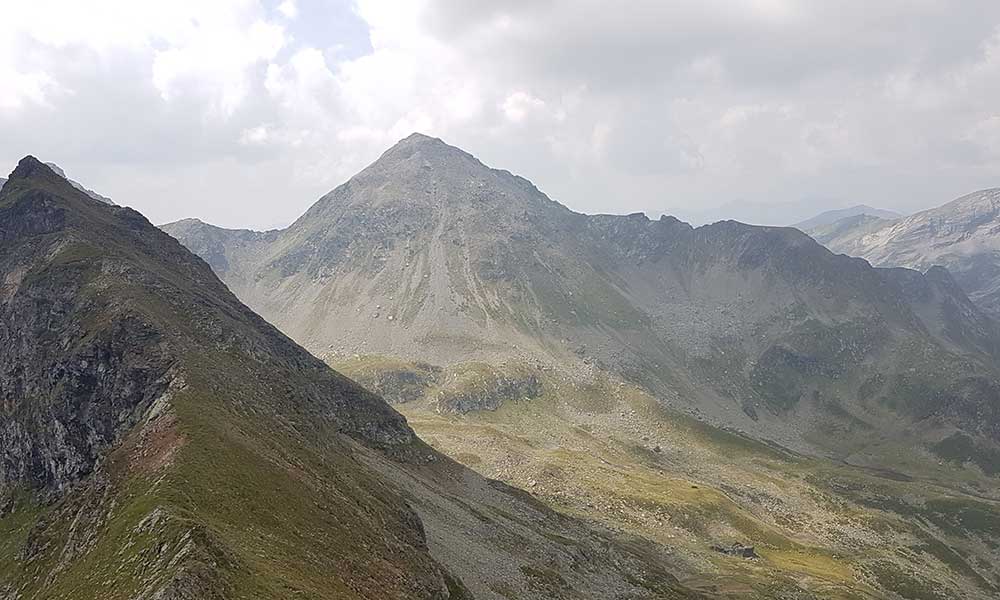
(243,112)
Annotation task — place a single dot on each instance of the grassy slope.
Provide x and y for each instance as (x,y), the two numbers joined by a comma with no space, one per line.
(239,484)
(256,511)
(591,451)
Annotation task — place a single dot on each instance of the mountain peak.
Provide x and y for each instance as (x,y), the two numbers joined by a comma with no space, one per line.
(425,146)
(30,167)
(33,173)
(987,199)
(420,138)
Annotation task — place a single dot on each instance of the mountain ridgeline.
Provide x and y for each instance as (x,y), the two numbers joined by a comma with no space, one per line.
(159,440)
(429,255)
(833,216)
(962,235)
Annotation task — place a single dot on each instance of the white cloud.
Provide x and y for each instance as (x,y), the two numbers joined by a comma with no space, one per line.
(255,135)
(289,9)
(22,88)
(519,105)
(217,59)
(677,106)
(191,44)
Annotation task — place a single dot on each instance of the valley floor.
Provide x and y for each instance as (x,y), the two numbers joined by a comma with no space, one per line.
(607,452)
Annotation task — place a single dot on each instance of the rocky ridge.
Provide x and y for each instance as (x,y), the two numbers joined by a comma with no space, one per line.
(961,235)
(94,195)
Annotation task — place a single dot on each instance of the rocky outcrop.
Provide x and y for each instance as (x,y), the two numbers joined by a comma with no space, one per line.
(737,549)
(401,384)
(478,389)
(68,390)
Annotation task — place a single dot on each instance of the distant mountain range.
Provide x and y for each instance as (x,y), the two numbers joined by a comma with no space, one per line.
(160,441)
(833,216)
(963,236)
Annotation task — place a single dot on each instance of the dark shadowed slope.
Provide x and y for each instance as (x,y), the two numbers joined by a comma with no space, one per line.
(160,440)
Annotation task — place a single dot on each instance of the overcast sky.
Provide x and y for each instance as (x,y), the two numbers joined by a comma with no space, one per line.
(244,112)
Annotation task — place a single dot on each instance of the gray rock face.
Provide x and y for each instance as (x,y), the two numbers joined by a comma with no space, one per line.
(737,549)
(963,236)
(218,246)
(427,254)
(487,391)
(68,392)
(78,365)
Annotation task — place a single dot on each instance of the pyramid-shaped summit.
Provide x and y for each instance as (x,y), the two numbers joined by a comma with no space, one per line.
(29,166)
(421,169)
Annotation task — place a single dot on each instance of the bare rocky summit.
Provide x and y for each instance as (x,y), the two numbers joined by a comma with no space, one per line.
(58,171)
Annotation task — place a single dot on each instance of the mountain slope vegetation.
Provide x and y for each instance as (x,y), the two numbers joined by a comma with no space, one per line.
(160,440)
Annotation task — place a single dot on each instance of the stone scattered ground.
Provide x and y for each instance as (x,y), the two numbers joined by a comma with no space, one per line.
(607,452)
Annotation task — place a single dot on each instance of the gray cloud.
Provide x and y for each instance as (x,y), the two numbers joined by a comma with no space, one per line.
(764,110)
